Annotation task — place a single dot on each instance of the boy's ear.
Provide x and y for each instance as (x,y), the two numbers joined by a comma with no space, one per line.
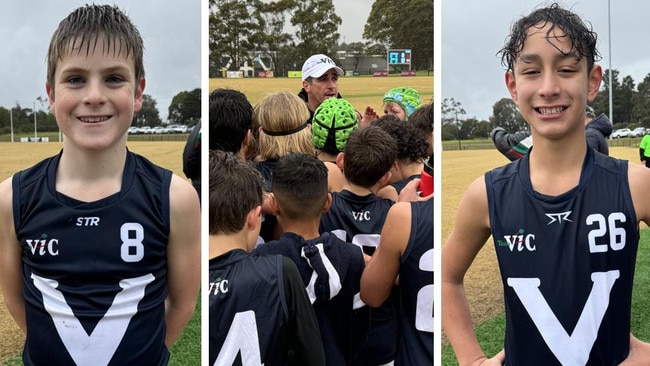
(253,218)
(275,207)
(328,202)
(139,92)
(595,78)
(511,84)
(339,160)
(383,181)
(50,97)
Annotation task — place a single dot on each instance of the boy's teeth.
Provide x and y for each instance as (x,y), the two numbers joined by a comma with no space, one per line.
(92,119)
(550,110)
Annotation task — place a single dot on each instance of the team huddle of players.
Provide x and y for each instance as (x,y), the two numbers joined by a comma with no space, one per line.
(321,242)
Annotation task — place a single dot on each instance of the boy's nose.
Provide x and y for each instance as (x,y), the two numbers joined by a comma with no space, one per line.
(94,93)
(550,85)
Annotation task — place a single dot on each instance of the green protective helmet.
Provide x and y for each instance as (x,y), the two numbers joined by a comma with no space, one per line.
(333,122)
(407,98)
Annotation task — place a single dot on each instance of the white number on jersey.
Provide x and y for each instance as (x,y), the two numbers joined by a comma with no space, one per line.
(98,347)
(242,337)
(424,311)
(361,240)
(132,249)
(571,349)
(616,234)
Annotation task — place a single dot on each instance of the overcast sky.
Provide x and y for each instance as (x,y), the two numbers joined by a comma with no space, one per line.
(171,31)
(474,31)
(354,15)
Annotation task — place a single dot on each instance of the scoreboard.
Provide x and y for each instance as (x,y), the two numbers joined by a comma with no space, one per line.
(399,57)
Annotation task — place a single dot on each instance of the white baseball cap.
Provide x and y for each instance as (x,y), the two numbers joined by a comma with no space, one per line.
(317,65)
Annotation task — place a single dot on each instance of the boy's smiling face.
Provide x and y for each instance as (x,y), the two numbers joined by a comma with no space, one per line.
(95,95)
(550,85)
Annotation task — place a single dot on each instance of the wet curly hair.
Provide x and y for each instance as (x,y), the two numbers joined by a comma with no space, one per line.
(580,34)
(411,144)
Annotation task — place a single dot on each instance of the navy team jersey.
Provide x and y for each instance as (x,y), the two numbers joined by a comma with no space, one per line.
(567,264)
(415,343)
(359,220)
(259,313)
(94,273)
(331,273)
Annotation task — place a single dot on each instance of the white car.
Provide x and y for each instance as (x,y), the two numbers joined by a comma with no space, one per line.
(621,132)
(638,132)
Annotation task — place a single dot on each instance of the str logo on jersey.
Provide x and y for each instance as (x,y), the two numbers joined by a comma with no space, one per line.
(559,217)
(519,241)
(219,286)
(43,246)
(87,221)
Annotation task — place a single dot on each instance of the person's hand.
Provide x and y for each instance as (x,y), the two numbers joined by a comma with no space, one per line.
(639,353)
(410,192)
(369,116)
(498,360)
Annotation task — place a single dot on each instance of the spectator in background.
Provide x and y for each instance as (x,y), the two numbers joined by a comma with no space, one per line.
(644,150)
(515,145)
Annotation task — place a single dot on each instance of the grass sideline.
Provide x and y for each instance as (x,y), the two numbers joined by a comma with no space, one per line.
(491,333)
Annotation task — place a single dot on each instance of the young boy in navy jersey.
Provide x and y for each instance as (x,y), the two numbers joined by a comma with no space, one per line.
(258,305)
(564,219)
(406,250)
(100,248)
(330,268)
(357,216)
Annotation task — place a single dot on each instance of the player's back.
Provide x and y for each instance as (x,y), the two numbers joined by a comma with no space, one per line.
(331,272)
(415,345)
(249,316)
(359,220)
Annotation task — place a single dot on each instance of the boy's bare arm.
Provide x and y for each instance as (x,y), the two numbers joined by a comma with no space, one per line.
(183,258)
(471,230)
(380,274)
(11,281)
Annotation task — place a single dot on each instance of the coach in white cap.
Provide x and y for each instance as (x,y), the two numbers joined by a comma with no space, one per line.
(320,80)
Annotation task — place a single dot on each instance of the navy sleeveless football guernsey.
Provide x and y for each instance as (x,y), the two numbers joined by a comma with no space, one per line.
(567,264)
(359,220)
(415,344)
(94,273)
(248,310)
(331,272)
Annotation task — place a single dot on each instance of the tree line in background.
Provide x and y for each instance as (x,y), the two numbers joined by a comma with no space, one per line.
(184,109)
(287,32)
(631,108)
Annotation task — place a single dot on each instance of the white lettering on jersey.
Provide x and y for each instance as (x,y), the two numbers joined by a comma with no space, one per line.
(424,311)
(571,349)
(522,242)
(44,246)
(242,337)
(87,221)
(99,347)
(334,279)
(617,236)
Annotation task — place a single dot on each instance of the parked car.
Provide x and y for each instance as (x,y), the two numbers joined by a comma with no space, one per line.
(145,129)
(158,130)
(621,132)
(639,132)
(133,130)
(177,129)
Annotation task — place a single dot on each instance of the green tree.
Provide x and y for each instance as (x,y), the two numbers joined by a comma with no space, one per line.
(316,25)
(506,114)
(482,130)
(148,115)
(269,37)
(625,96)
(185,108)
(230,27)
(641,102)
(450,111)
(356,51)
(403,24)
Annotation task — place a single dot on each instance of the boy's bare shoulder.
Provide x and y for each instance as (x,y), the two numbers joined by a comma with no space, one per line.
(639,181)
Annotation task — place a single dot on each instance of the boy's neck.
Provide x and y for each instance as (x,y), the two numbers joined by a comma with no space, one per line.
(308,229)
(359,190)
(556,165)
(220,243)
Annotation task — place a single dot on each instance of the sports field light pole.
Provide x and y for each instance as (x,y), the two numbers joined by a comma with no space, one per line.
(35,133)
(609,29)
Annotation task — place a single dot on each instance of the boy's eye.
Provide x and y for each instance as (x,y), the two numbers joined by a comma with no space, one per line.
(114,79)
(74,80)
(530,72)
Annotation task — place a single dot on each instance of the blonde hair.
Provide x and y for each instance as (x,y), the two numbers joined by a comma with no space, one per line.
(282,112)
